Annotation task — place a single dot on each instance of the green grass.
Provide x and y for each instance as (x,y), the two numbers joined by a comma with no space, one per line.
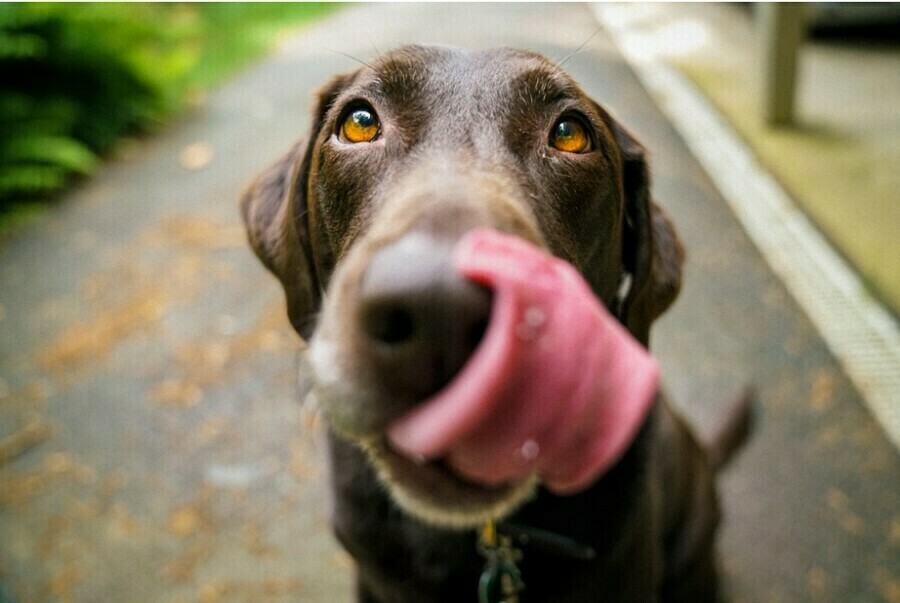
(228,36)
(77,78)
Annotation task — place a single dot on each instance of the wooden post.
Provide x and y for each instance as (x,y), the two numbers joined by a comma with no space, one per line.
(782,29)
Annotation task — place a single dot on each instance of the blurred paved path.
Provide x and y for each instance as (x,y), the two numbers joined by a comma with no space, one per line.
(138,328)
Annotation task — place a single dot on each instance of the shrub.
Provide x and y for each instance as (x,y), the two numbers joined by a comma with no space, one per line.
(73,79)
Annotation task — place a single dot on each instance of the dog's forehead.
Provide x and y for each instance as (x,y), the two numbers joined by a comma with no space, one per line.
(468,74)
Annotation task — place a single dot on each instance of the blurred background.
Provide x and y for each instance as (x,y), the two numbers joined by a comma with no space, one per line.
(152,446)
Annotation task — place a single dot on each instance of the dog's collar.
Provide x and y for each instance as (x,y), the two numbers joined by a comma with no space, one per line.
(547,542)
(622,291)
(501,546)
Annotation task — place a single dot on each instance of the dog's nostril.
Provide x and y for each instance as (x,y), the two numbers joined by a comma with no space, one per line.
(476,333)
(389,324)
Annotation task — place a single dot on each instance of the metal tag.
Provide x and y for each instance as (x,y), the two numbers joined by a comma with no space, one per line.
(501,580)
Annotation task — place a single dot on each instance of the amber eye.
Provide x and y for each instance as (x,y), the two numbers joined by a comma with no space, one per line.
(570,136)
(360,125)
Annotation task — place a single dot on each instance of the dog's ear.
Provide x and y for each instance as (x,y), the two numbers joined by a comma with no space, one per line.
(651,251)
(274,208)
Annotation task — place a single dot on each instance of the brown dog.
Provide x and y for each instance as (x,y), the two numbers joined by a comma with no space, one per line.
(358,222)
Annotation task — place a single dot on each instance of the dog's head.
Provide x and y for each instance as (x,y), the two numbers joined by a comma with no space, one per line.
(407,155)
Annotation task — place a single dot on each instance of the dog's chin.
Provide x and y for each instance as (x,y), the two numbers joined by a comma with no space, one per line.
(428,491)
(435,495)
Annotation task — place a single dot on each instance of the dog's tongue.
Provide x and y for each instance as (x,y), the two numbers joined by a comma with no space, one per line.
(557,386)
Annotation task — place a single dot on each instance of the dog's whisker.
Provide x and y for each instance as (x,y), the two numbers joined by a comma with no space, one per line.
(372,42)
(351,57)
(579,49)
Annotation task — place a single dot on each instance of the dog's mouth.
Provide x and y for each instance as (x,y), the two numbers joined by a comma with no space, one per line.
(419,453)
(556,387)
(434,492)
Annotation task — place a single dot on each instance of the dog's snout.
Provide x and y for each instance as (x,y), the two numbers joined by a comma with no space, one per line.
(419,319)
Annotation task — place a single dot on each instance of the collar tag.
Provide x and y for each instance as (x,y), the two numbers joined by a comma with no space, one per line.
(501,580)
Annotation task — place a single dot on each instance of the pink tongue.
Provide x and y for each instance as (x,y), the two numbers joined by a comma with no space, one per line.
(557,387)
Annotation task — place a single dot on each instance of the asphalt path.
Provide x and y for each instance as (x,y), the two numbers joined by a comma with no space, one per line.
(155,446)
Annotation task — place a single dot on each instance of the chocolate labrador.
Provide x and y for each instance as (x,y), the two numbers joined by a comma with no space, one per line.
(359,222)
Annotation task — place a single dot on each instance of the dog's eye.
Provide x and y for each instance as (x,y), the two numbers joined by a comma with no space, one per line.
(360,125)
(570,136)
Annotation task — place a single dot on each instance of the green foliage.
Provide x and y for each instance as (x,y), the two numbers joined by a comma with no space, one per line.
(75,78)
(229,35)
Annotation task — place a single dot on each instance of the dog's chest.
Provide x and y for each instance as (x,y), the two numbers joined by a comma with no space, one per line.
(401,559)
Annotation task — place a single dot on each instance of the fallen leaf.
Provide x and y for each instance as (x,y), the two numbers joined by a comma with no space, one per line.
(196,156)
(186,520)
(24,439)
(177,392)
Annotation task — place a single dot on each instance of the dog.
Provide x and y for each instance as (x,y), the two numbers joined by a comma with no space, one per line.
(406,156)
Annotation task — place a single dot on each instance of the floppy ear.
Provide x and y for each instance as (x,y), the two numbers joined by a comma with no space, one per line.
(275,212)
(651,250)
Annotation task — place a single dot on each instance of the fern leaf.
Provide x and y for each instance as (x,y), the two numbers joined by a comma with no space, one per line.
(54,150)
(30,180)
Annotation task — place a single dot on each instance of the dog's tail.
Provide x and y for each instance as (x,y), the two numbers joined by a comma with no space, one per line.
(732,430)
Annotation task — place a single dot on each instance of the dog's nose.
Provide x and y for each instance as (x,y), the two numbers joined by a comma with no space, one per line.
(421,320)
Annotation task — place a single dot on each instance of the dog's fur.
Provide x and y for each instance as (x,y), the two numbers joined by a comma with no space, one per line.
(464,144)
